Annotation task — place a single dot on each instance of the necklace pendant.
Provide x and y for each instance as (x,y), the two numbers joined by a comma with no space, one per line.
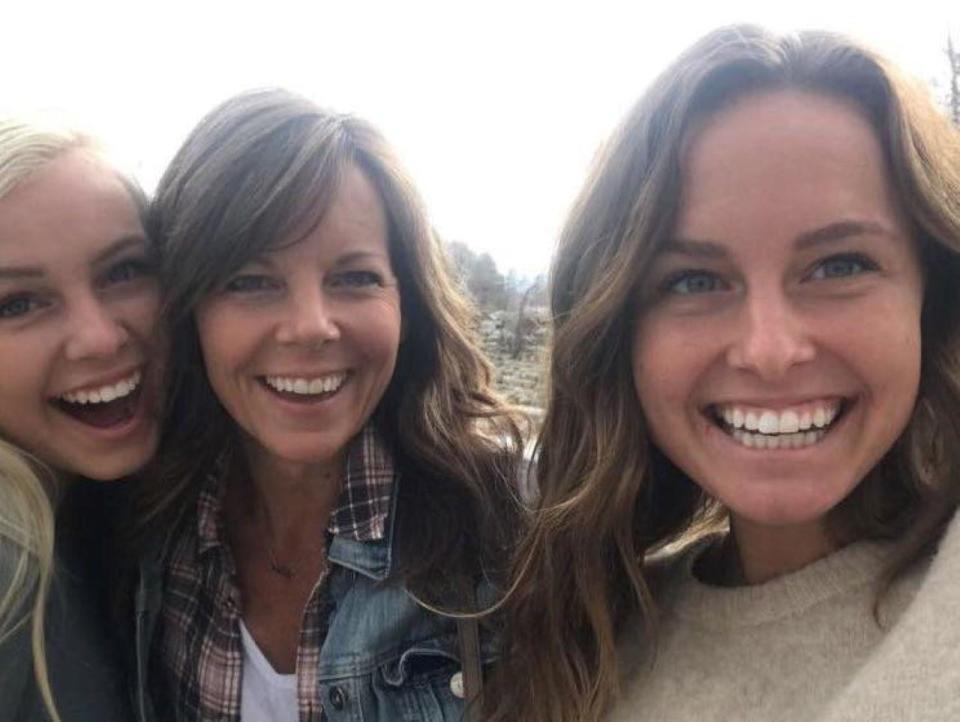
(284,570)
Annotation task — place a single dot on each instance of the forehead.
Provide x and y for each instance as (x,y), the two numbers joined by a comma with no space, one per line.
(74,200)
(783,159)
(354,219)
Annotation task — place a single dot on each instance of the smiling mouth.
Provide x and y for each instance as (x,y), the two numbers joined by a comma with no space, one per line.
(103,407)
(302,389)
(791,428)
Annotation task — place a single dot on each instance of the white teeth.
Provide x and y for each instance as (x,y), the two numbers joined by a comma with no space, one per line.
(788,429)
(789,422)
(738,418)
(307,387)
(104,394)
(769,423)
(785,441)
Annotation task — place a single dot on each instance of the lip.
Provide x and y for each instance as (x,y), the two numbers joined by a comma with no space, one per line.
(103,381)
(314,374)
(730,445)
(779,402)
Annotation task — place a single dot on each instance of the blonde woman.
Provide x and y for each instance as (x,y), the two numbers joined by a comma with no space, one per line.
(757,333)
(78,392)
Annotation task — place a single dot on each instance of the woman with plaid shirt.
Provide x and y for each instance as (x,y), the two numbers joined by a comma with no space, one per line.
(335,471)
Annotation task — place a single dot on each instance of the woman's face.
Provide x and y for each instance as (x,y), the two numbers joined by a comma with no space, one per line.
(778,355)
(78,314)
(300,344)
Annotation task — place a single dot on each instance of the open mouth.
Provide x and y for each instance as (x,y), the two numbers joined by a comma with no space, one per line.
(305,390)
(791,428)
(106,406)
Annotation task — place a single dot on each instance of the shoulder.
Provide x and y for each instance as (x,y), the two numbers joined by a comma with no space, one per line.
(915,673)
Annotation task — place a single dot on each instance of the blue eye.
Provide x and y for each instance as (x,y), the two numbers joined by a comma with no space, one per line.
(16,306)
(250,283)
(686,283)
(128,270)
(842,266)
(357,279)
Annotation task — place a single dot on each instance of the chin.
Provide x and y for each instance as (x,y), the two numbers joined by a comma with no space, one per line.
(317,453)
(785,510)
(108,472)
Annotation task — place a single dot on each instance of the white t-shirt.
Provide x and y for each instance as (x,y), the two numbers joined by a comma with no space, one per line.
(265,696)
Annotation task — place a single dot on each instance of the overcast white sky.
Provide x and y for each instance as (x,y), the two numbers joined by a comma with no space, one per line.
(496,108)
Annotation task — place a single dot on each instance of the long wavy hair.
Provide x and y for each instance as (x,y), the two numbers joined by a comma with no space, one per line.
(27,488)
(254,173)
(608,496)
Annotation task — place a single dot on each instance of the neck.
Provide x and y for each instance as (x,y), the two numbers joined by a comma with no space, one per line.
(295,499)
(765,552)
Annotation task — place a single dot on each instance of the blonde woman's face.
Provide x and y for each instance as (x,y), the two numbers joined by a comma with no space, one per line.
(779,358)
(78,310)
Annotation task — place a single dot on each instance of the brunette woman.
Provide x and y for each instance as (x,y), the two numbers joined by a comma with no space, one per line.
(756,329)
(335,462)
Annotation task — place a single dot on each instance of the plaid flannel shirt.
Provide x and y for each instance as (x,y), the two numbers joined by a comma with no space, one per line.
(201,653)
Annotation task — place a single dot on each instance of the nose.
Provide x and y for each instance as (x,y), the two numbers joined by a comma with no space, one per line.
(309,318)
(772,338)
(95,331)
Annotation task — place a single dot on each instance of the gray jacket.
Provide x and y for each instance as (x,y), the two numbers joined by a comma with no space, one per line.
(87,683)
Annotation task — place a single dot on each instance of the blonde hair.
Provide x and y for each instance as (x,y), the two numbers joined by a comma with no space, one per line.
(608,496)
(26,487)
(26,556)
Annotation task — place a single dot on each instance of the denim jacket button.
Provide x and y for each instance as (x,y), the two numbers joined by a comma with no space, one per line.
(456,685)
(338,697)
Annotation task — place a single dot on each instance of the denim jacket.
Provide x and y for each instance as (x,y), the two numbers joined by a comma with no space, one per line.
(385,657)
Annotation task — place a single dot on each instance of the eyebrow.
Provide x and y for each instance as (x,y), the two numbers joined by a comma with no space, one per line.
(354,256)
(830,233)
(115,248)
(358,256)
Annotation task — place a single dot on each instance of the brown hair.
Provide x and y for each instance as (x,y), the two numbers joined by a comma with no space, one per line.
(608,496)
(257,171)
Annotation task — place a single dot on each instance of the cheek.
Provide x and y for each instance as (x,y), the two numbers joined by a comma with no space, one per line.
(221,342)
(26,369)
(666,367)
(382,331)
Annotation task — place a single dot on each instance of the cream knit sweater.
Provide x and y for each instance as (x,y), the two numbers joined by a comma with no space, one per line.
(804,646)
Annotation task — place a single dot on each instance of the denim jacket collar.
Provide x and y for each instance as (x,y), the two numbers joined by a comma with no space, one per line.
(372,559)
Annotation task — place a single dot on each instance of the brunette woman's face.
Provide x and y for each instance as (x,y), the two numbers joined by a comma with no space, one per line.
(300,344)
(778,356)
(78,313)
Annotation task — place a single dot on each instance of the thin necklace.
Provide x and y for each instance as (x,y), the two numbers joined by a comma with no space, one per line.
(287,571)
